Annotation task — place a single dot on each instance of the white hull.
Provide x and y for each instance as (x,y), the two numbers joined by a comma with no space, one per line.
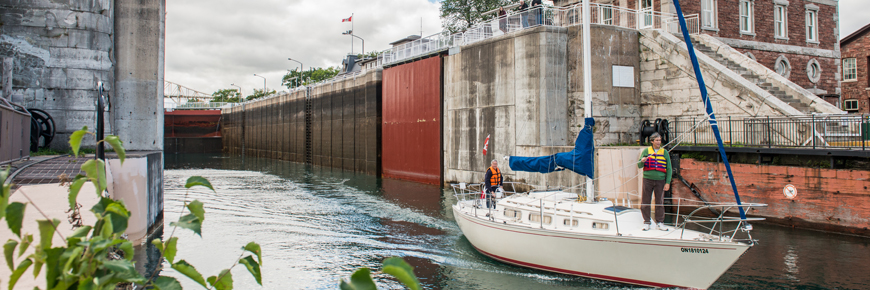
(673,258)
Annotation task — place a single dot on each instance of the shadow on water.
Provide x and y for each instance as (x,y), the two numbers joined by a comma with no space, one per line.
(317,225)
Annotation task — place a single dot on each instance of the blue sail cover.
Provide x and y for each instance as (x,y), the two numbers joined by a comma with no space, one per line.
(579,160)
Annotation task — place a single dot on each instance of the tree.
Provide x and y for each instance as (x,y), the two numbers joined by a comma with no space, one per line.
(227,95)
(370,54)
(459,15)
(296,78)
(260,94)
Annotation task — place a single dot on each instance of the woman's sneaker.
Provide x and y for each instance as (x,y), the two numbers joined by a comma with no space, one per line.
(645,227)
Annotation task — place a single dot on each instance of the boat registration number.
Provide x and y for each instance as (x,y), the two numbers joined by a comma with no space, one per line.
(695,250)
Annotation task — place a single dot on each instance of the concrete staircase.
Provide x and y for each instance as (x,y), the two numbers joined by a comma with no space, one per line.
(754,78)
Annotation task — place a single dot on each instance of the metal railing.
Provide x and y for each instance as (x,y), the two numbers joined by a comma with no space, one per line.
(814,131)
(601,14)
(203,105)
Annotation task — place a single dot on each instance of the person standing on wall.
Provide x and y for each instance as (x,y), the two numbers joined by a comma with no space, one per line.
(502,19)
(524,14)
(537,9)
(656,164)
(492,181)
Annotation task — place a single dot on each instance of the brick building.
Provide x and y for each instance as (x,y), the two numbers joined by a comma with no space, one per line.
(856,83)
(795,38)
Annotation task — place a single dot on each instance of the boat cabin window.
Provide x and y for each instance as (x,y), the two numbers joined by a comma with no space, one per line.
(618,209)
(570,222)
(511,213)
(536,217)
(600,226)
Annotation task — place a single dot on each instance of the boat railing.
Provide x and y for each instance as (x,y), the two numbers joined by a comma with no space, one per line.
(718,225)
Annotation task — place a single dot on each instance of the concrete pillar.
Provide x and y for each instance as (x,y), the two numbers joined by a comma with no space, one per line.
(7,78)
(138,98)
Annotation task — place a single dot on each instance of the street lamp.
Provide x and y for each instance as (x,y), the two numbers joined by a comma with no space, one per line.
(293,80)
(350,32)
(240,90)
(264,83)
(301,68)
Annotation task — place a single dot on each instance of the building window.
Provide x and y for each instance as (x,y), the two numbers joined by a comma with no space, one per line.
(646,9)
(780,22)
(782,66)
(812,26)
(708,14)
(814,71)
(850,105)
(850,69)
(746,19)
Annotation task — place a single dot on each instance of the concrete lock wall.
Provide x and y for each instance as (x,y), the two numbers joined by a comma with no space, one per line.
(345,125)
(514,89)
(60,50)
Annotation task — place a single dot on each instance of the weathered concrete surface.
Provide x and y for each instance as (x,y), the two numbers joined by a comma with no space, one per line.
(138,97)
(669,88)
(512,88)
(60,51)
(615,107)
(828,199)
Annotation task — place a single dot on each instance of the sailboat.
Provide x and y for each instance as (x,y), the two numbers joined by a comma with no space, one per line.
(561,231)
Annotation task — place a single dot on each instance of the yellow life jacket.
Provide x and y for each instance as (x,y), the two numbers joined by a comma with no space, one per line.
(655,160)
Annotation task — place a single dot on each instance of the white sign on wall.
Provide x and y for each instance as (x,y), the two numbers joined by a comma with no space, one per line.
(623,76)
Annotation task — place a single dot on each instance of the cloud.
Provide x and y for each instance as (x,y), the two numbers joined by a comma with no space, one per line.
(854,14)
(211,44)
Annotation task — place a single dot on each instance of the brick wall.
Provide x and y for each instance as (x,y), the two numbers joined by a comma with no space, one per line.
(859,48)
(829,199)
(830,68)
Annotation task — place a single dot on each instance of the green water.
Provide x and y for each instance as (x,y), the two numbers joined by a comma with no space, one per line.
(317,225)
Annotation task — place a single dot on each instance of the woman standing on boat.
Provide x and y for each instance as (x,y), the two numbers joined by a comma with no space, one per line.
(492,181)
(656,164)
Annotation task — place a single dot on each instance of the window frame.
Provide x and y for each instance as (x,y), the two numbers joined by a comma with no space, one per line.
(713,15)
(781,23)
(812,25)
(606,10)
(846,69)
(748,7)
(846,107)
(646,14)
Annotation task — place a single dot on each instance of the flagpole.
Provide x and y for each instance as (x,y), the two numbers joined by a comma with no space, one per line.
(351,33)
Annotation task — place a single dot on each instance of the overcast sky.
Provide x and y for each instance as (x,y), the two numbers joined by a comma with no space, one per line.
(211,44)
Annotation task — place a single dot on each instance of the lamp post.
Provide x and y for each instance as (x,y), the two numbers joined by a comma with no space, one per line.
(350,32)
(293,80)
(264,83)
(301,68)
(240,91)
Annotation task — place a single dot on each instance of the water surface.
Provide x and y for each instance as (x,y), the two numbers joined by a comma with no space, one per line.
(316,225)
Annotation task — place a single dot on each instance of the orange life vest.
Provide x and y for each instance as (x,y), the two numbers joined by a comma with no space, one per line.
(655,160)
(495,180)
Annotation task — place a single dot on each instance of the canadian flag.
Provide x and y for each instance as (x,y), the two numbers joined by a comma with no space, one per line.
(485,144)
(347,19)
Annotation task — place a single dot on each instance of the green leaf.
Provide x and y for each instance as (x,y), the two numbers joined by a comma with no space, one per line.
(118,208)
(166,283)
(4,191)
(14,217)
(196,208)
(18,271)
(170,250)
(198,180)
(25,242)
(74,189)
(46,232)
(224,281)
(70,258)
(124,271)
(106,228)
(117,145)
(127,247)
(360,280)
(190,222)
(158,244)
(188,270)
(96,172)
(52,258)
(75,140)
(8,251)
(254,248)
(402,271)
(253,267)
(81,232)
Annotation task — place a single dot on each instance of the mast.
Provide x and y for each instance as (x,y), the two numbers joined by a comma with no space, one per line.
(587,85)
